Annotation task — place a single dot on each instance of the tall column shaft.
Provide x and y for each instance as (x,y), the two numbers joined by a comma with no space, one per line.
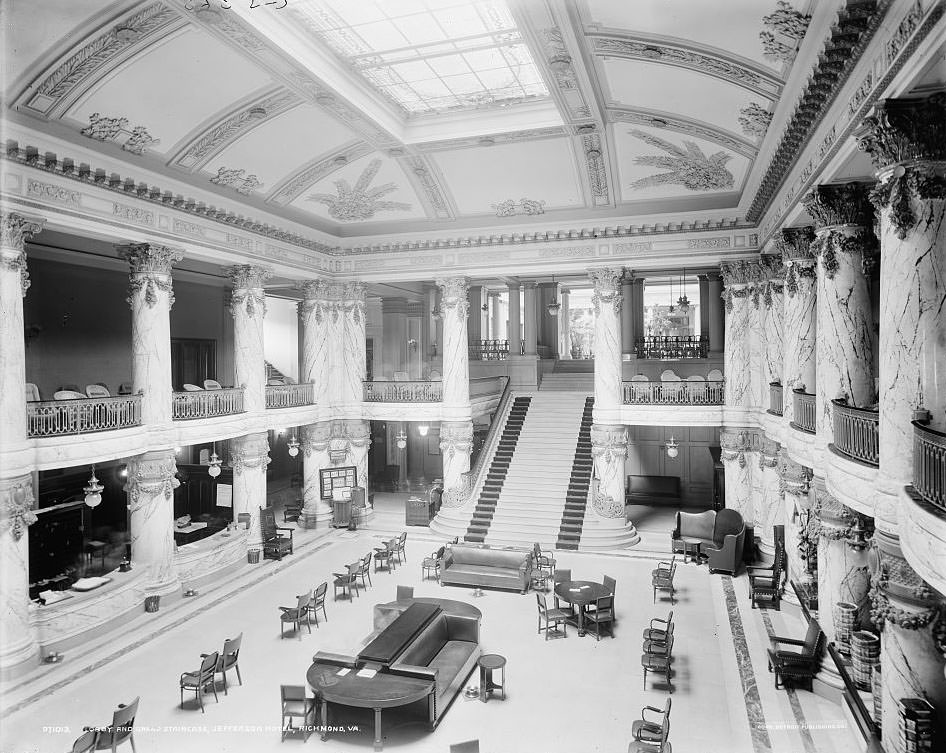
(15,230)
(352,345)
(495,311)
(18,649)
(529,322)
(316,512)
(456,443)
(320,346)
(249,456)
(800,322)
(844,246)
(248,307)
(737,358)
(609,451)
(770,509)
(515,324)
(773,319)
(607,306)
(704,307)
(735,455)
(150,488)
(564,325)
(627,316)
(358,434)
(475,320)
(456,364)
(715,313)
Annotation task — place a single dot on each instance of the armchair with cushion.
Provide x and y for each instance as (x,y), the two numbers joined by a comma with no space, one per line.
(801,664)
(725,552)
(650,735)
(275,544)
(696,526)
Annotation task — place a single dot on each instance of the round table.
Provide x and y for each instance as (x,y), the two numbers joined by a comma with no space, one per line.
(487,663)
(581,593)
(691,549)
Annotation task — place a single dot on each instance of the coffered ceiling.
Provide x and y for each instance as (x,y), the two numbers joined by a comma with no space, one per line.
(374,118)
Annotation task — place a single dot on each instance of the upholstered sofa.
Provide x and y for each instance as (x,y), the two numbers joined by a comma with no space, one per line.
(480,565)
(721,536)
(445,652)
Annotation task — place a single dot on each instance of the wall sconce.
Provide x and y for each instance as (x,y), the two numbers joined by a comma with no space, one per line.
(93,491)
(401,439)
(412,344)
(422,429)
(293,445)
(672,448)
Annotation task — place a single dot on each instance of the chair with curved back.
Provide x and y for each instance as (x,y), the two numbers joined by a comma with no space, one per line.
(68,395)
(552,617)
(85,743)
(431,564)
(725,553)
(365,571)
(318,602)
(192,388)
(201,679)
(229,659)
(659,634)
(661,578)
(347,581)
(384,556)
(659,662)
(122,728)
(802,664)
(650,735)
(32,393)
(296,615)
(212,384)
(541,560)
(401,548)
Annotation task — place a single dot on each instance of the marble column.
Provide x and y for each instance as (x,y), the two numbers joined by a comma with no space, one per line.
(703,281)
(15,230)
(845,247)
(431,321)
(738,354)
(770,507)
(607,305)
(394,335)
(150,487)
(494,314)
(18,649)
(530,335)
(151,295)
(637,308)
(627,315)
(352,344)
(773,319)
(715,313)
(316,512)
(248,307)
(735,454)
(249,456)
(475,320)
(515,324)
(912,619)
(905,140)
(318,350)
(456,364)
(609,451)
(843,567)
(795,483)
(358,435)
(456,443)
(800,322)
(564,325)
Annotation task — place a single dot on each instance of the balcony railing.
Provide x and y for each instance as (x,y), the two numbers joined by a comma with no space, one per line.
(56,418)
(669,348)
(403,392)
(674,393)
(775,398)
(489,350)
(289,395)
(804,406)
(207,403)
(855,433)
(929,464)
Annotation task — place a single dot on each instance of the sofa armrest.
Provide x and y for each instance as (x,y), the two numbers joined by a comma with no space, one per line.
(416,670)
(339,660)
(446,560)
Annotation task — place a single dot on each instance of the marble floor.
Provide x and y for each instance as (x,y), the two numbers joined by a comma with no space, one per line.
(566,694)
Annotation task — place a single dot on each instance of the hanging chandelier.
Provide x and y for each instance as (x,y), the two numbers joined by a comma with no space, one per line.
(293,445)
(672,448)
(683,302)
(671,309)
(213,469)
(401,439)
(422,429)
(93,491)
(554,306)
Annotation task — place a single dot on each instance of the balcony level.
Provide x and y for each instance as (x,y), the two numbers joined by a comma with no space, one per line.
(856,435)
(692,402)
(923,506)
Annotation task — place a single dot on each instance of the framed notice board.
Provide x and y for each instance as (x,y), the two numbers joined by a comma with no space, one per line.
(336,478)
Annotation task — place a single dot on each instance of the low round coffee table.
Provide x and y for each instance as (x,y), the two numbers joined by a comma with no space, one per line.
(487,663)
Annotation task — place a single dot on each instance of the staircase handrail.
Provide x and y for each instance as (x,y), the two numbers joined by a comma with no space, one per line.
(471,478)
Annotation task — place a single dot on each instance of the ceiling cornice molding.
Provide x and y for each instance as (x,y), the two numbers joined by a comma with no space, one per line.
(856,24)
(680,53)
(297,183)
(210,138)
(682,124)
(48,89)
(509,137)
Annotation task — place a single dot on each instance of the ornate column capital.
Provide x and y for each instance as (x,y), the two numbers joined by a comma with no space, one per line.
(838,522)
(16,506)
(456,437)
(772,284)
(607,285)
(906,140)
(845,219)
(453,295)
(770,453)
(323,297)
(15,230)
(734,446)
(898,593)
(250,451)
(794,479)
(798,258)
(247,295)
(150,269)
(314,290)
(149,475)
(355,296)
(316,437)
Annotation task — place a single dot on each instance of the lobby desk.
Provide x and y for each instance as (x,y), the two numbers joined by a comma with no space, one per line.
(88,614)
(203,561)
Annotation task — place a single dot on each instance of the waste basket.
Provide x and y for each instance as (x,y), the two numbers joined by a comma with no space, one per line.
(243,519)
(252,556)
(152,603)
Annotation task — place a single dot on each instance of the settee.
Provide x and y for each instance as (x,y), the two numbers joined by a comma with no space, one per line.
(721,536)
(479,565)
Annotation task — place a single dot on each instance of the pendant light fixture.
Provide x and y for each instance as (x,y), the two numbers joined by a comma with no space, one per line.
(93,491)
(672,308)
(213,469)
(673,448)
(422,429)
(683,302)
(401,439)
(554,306)
(293,445)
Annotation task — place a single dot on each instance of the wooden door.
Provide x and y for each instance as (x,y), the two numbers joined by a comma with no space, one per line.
(193,361)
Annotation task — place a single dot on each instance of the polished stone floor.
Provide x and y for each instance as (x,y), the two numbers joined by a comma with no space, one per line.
(566,694)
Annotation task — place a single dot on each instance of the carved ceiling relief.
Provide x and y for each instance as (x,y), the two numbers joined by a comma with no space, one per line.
(116,130)
(360,202)
(511,207)
(754,120)
(785,28)
(688,166)
(237,179)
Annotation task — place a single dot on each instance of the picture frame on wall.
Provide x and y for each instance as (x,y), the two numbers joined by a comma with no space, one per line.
(336,478)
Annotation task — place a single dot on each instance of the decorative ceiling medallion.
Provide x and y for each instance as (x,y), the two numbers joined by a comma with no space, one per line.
(237,179)
(689,166)
(359,203)
(510,208)
(754,120)
(102,128)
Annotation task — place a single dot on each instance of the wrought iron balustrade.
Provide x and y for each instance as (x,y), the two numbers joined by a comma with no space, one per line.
(674,393)
(672,348)
(775,399)
(206,403)
(804,407)
(403,392)
(855,433)
(929,464)
(289,395)
(56,418)
(489,350)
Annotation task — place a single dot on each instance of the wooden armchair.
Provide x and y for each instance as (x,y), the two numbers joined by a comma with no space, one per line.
(122,728)
(296,615)
(292,511)
(275,545)
(201,679)
(431,564)
(651,735)
(655,633)
(541,560)
(347,581)
(659,662)
(384,556)
(229,658)
(662,578)
(766,584)
(797,665)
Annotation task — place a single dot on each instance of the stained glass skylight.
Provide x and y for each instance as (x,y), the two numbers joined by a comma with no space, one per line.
(431,55)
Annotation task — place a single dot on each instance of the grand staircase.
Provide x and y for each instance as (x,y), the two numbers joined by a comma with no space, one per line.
(570,376)
(576,495)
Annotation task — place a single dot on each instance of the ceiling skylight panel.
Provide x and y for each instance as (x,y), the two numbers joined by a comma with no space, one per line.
(466,84)
(416,71)
(420,29)
(461,21)
(448,65)
(381,36)
(484,60)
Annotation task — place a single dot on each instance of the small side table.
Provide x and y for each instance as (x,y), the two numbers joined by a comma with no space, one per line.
(691,549)
(487,663)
